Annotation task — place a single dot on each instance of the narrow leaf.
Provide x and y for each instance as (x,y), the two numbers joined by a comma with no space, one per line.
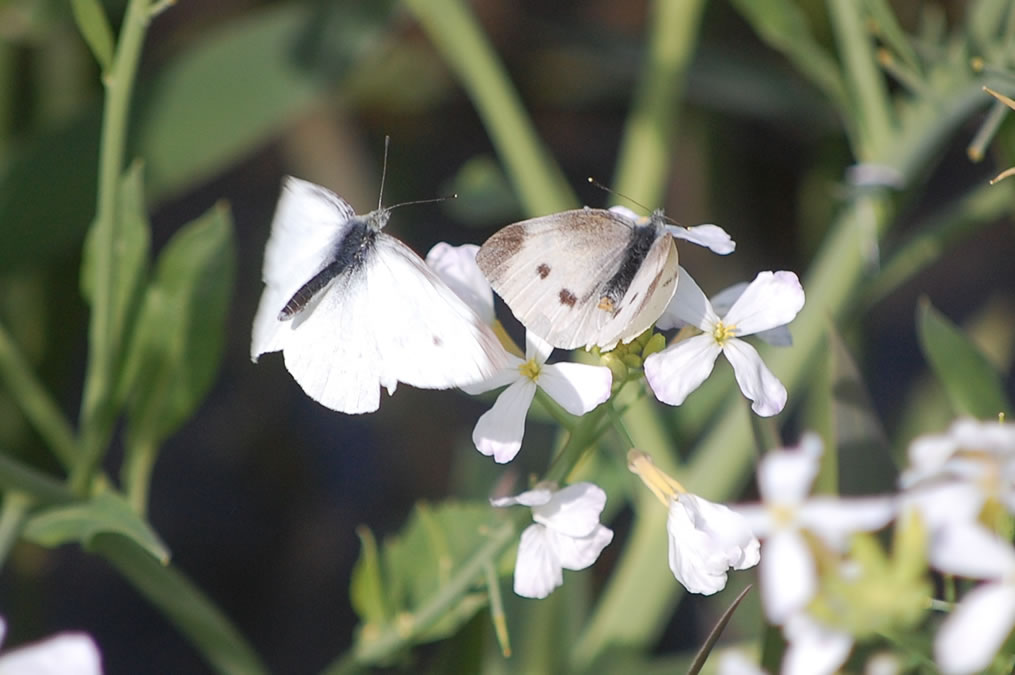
(176,349)
(366,585)
(105,513)
(94,27)
(970,381)
(713,637)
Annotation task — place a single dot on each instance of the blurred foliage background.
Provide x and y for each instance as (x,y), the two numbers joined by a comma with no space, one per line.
(258,495)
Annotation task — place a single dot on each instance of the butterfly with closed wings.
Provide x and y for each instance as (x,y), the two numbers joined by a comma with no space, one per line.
(353,309)
(586,277)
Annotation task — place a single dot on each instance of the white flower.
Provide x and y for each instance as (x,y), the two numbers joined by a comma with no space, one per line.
(710,236)
(735,662)
(968,640)
(566,535)
(456,266)
(721,304)
(772,299)
(577,387)
(705,539)
(812,648)
(64,654)
(788,574)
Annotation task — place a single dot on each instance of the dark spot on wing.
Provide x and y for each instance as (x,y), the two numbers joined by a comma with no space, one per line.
(437,342)
(567,297)
(543,270)
(349,255)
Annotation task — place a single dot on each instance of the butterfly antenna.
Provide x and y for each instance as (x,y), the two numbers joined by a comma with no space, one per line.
(619,194)
(424,201)
(384,171)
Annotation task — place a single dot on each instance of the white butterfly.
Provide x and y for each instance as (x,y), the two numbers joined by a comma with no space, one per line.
(353,309)
(587,277)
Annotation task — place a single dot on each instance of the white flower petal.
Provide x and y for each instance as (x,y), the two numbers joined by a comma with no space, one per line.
(712,237)
(536,348)
(756,381)
(626,213)
(577,387)
(785,476)
(788,576)
(706,540)
(992,437)
(681,368)
(456,266)
(968,639)
(573,510)
(813,649)
(65,654)
(537,571)
(499,431)
(942,505)
(972,551)
(834,519)
(501,378)
(577,553)
(734,662)
(724,299)
(534,497)
(688,305)
(758,516)
(927,456)
(772,299)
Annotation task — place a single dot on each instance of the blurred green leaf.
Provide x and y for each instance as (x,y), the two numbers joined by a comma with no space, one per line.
(177,345)
(129,257)
(886,26)
(418,563)
(366,586)
(105,513)
(968,378)
(783,25)
(484,194)
(94,27)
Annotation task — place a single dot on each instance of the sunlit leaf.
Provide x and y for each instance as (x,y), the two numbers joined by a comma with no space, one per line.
(105,513)
(970,381)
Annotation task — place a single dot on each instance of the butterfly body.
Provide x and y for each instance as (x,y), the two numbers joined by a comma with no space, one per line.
(354,309)
(585,277)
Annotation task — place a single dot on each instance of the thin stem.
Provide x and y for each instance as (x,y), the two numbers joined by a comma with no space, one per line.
(35,402)
(643,165)
(139,461)
(456,33)
(16,477)
(12,518)
(103,340)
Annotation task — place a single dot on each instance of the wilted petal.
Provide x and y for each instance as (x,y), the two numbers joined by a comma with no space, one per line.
(577,387)
(681,368)
(710,236)
(577,553)
(688,305)
(772,299)
(813,649)
(834,519)
(66,654)
(537,571)
(499,431)
(706,540)
(456,266)
(968,639)
(785,476)
(788,576)
(756,381)
(573,510)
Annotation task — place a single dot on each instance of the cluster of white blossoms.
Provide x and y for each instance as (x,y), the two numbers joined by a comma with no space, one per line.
(705,539)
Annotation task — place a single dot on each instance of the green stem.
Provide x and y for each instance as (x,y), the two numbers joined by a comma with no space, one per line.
(28,393)
(96,415)
(455,32)
(139,461)
(643,165)
(12,518)
(15,476)
(184,604)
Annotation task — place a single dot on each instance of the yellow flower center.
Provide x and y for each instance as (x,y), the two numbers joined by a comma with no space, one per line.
(530,369)
(723,332)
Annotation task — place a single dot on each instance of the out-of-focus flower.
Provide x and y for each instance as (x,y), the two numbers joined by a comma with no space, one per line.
(772,299)
(63,654)
(705,539)
(456,266)
(566,535)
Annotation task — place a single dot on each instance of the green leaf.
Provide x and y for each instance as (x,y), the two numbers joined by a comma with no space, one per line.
(177,346)
(366,587)
(417,564)
(970,381)
(887,27)
(94,27)
(106,513)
